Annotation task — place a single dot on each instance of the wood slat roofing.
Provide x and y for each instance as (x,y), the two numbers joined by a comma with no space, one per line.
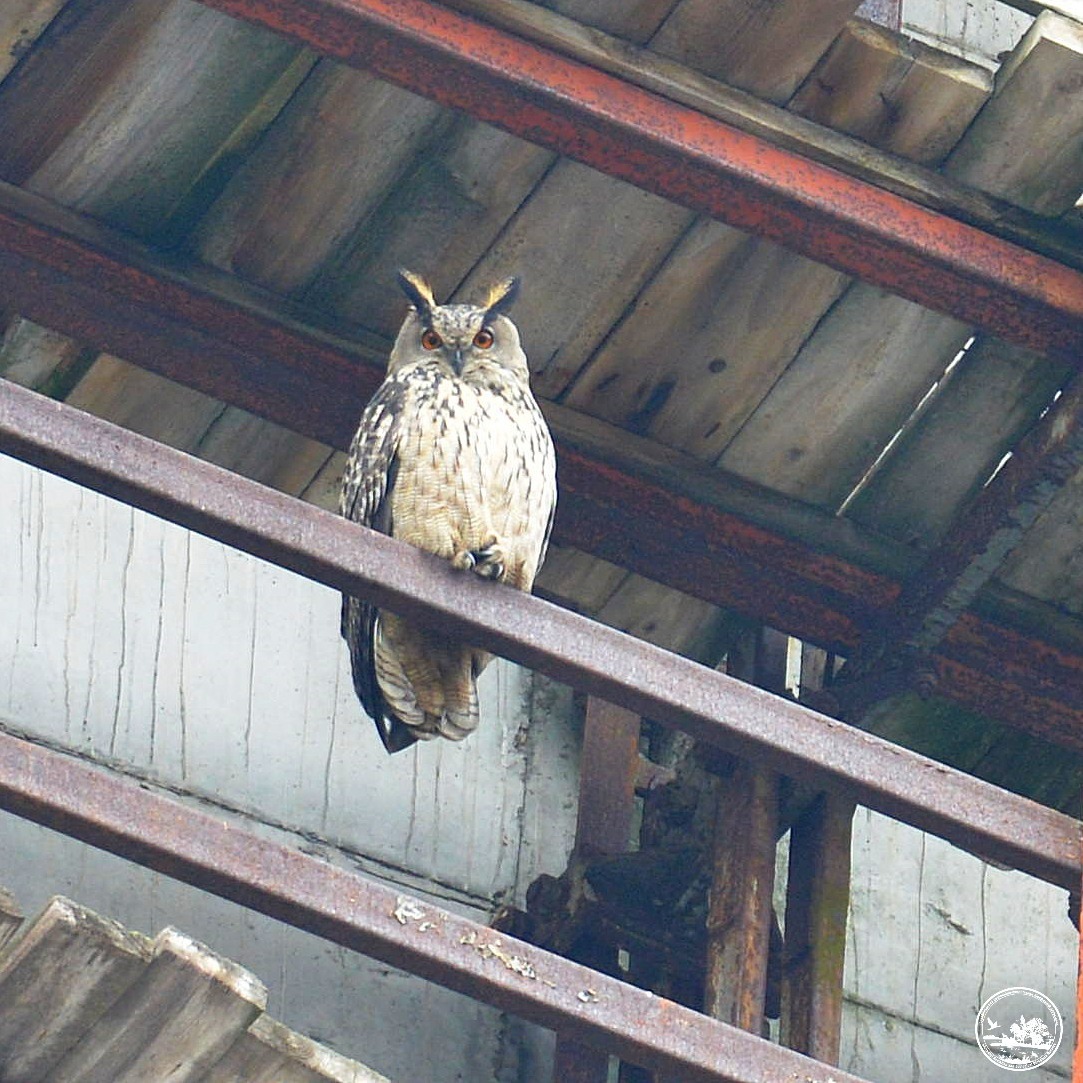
(82,997)
(716,357)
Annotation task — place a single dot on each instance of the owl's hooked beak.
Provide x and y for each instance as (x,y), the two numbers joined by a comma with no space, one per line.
(457,360)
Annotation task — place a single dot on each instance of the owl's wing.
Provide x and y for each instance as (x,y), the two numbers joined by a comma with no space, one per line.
(367,484)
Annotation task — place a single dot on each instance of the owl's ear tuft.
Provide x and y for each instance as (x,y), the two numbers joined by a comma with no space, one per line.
(419,293)
(501,296)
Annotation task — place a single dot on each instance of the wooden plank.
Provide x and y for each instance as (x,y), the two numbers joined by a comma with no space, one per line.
(844,396)
(263,451)
(56,983)
(11,917)
(42,359)
(667,618)
(1035,123)
(440,218)
(173,1023)
(786,129)
(817,905)
(135,134)
(866,83)
(707,339)
(269,1052)
(583,582)
(634,20)
(874,357)
(191,421)
(1048,563)
(329,159)
(61,81)
(767,47)
(333,154)
(587,243)
(21,24)
(112,117)
(145,402)
(323,489)
(994,394)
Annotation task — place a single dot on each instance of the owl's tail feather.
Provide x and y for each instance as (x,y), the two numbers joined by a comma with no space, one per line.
(396,687)
(426,683)
(460,717)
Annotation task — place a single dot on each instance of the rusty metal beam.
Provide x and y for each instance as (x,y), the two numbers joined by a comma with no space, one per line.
(646,680)
(986,531)
(695,530)
(227,859)
(693,159)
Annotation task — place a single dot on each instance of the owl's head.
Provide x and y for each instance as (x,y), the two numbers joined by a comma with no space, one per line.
(472,342)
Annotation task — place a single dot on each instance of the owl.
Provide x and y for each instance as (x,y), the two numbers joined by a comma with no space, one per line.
(453,456)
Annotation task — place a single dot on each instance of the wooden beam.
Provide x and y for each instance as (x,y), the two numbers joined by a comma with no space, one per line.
(608,766)
(742,880)
(817,906)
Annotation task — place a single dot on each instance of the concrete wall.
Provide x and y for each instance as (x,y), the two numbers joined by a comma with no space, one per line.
(132,641)
(979,31)
(933,933)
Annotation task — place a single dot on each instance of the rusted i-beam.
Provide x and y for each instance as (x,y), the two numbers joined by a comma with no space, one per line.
(227,859)
(693,159)
(695,530)
(646,680)
(989,528)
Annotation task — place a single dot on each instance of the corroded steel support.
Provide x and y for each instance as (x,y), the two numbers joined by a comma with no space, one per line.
(693,159)
(225,858)
(703,534)
(990,527)
(601,661)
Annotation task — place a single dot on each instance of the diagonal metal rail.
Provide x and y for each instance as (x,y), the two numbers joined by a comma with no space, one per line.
(223,857)
(693,159)
(647,680)
(702,532)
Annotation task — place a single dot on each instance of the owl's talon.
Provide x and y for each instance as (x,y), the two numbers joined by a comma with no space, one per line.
(463,560)
(489,562)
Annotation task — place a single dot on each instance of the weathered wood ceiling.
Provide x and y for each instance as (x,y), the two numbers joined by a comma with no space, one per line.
(703,360)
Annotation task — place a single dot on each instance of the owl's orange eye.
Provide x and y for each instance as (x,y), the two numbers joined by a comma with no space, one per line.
(431,340)
(483,339)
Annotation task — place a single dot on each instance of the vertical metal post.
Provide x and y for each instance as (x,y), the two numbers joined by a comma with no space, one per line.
(608,766)
(817,901)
